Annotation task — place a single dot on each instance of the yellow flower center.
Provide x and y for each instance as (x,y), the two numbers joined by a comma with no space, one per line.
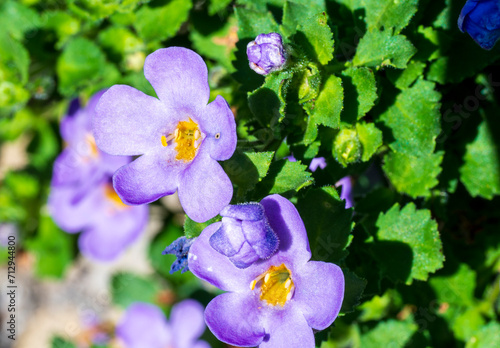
(110,194)
(275,286)
(186,137)
(94,152)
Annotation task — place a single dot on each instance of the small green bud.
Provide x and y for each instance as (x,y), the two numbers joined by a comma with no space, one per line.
(347,147)
(310,81)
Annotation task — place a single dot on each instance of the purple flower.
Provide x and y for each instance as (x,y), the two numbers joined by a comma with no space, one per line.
(145,325)
(109,226)
(346,194)
(245,235)
(179,136)
(179,248)
(275,302)
(317,162)
(82,196)
(81,162)
(266,53)
(481,19)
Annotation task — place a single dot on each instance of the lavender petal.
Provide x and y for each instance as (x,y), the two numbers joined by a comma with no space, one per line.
(179,77)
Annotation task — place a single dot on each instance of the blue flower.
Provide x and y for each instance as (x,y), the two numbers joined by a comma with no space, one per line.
(481,19)
(179,248)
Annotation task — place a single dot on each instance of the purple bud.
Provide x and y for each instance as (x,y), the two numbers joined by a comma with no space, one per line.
(266,53)
(244,236)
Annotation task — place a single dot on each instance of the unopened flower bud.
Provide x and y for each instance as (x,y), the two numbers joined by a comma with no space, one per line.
(245,235)
(266,53)
(347,147)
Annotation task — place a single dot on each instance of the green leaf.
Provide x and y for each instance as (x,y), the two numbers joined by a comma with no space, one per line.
(52,247)
(296,13)
(389,13)
(311,132)
(137,80)
(127,288)
(376,308)
(252,23)
(219,44)
(360,93)
(467,323)
(246,169)
(98,9)
(370,137)
(22,121)
(81,64)
(267,102)
(326,109)
(354,288)
(486,337)
(12,97)
(447,15)
(193,229)
(351,4)
(23,185)
(261,5)
(59,342)
(376,201)
(217,6)
(62,23)
(408,245)
(342,334)
(45,146)
(383,48)
(456,289)
(481,170)
(390,333)
(414,119)
(120,40)
(14,60)
(123,18)
(283,177)
(431,43)
(261,161)
(309,21)
(10,207)
(403,79)
(316,36)
(17,19)
(464,59)
(161,23)
(328,223)
(413,175)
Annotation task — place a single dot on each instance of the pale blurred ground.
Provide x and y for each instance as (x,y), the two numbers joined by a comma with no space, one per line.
(13,155)
(69,306)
